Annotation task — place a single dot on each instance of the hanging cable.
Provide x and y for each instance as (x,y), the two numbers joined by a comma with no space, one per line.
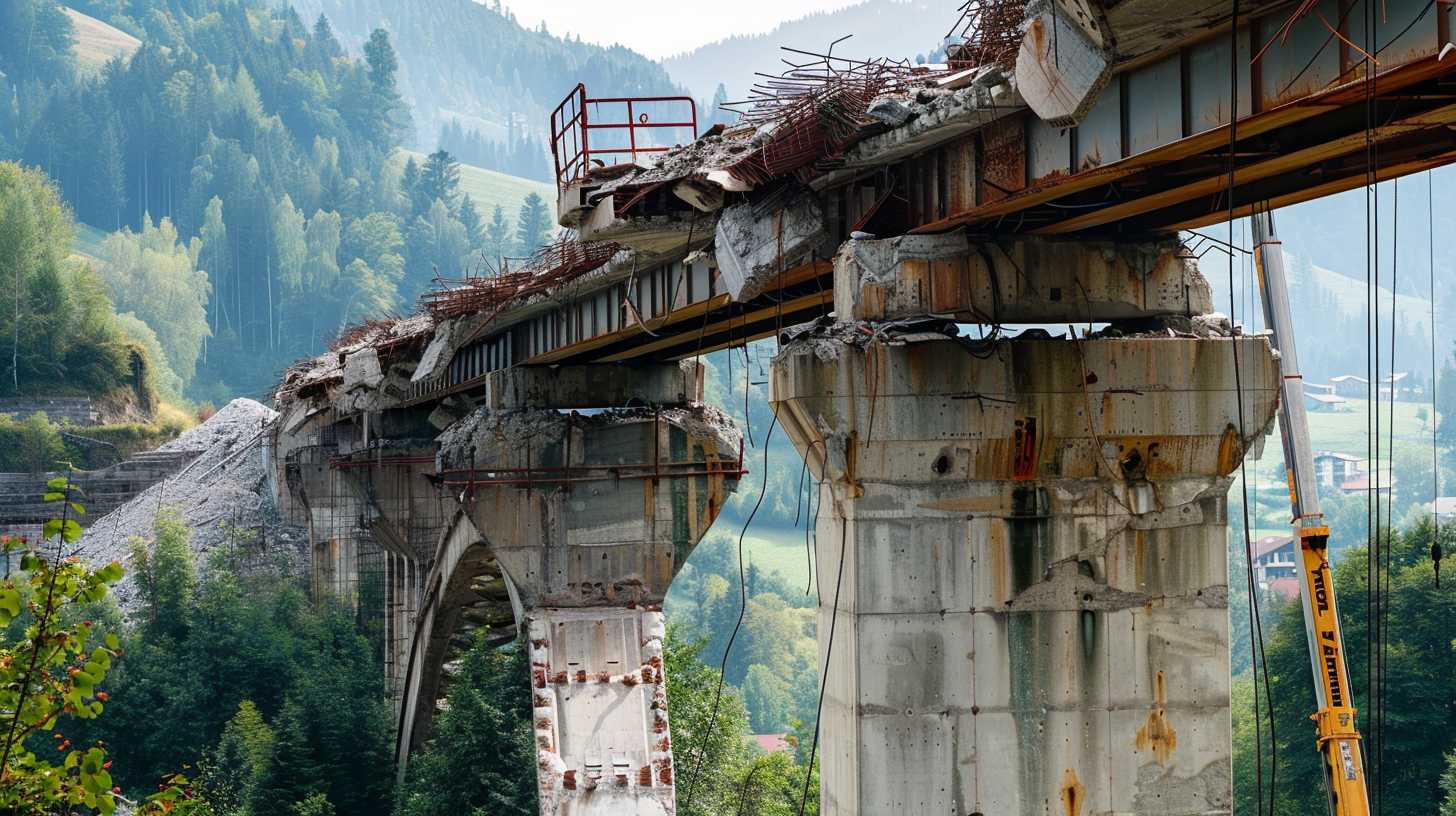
(1371,529)
(813,572)
(748,780)
(828,656)
(1390,480)
(1257,646)
(805,505)
(1435,463)
(737,625)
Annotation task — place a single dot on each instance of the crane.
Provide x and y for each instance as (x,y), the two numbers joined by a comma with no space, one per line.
(1339,739)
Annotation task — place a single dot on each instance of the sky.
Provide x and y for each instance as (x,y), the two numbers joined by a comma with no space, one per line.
(663,28)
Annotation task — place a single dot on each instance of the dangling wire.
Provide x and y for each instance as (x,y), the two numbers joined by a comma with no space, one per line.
(748,780)
(1372,528)
(1389,488)
(1256,647)
(828,655)
(802,504)
(737,625)
(1435,463)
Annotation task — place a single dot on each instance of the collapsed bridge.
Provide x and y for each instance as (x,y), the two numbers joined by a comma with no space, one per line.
(1022,550)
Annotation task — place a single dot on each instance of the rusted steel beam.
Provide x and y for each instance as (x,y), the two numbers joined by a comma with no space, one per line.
(1288,162)
(1384,173)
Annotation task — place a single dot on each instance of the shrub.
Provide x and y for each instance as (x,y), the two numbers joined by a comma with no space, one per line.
(33,445)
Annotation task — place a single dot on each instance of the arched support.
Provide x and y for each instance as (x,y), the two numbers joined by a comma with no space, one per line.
(589,518)
(462,558)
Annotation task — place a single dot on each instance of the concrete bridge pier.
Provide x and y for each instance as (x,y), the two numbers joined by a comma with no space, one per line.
(399,517)
(1021,553)
(589,516)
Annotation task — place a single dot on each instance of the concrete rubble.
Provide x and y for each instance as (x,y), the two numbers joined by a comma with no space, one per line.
(752,250)
(1064,61)
(896,125)
(222,497)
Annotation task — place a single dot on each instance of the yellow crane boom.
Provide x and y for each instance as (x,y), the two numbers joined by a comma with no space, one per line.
(1339,740)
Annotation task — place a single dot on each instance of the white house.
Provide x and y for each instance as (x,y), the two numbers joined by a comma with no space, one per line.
(1276,565)
(1333,469)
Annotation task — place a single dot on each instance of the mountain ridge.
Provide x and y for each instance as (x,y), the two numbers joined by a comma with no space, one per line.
(880,28)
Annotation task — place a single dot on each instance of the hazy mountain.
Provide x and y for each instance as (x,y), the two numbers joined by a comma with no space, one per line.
(462,60)
(892,28)
(1331,230)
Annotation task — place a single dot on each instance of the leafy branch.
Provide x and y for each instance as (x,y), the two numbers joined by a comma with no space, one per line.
(53,670)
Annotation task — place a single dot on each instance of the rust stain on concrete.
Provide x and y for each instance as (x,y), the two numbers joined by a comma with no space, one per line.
(1024,450)
(1073,794)
(1230,451)
(1157,735)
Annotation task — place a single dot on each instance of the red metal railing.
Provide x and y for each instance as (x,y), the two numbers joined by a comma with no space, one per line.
(577,116)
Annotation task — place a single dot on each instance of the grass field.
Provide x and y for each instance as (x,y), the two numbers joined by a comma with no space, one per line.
(490,189)
(1353,298)
(98,43)
(781,551)
(1343,433)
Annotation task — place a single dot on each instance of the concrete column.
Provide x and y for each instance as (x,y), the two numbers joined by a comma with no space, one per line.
(589,518)
(1026,543)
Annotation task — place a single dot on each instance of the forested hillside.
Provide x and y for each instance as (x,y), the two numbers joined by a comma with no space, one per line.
(473,62)
(242,154)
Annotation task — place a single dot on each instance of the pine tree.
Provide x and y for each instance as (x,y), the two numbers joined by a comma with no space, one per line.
(409,185)
(239,761)
(480,758)
(293,773)
(533,227)
(497,236)
(323,38)
(470,217)
(440,178)
(108,177)
(383,62)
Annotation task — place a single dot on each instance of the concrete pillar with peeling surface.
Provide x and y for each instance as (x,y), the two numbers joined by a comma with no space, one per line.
(589,518)
(1021,556)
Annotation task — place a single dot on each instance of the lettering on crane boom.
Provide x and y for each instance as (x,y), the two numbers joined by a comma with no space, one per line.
(1329,647)
(1321,594)
(1332,669)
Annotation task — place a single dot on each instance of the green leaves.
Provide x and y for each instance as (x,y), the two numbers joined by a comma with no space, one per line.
(61,489)
(111,573)
(50,673)
(9,605)
(69,530)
